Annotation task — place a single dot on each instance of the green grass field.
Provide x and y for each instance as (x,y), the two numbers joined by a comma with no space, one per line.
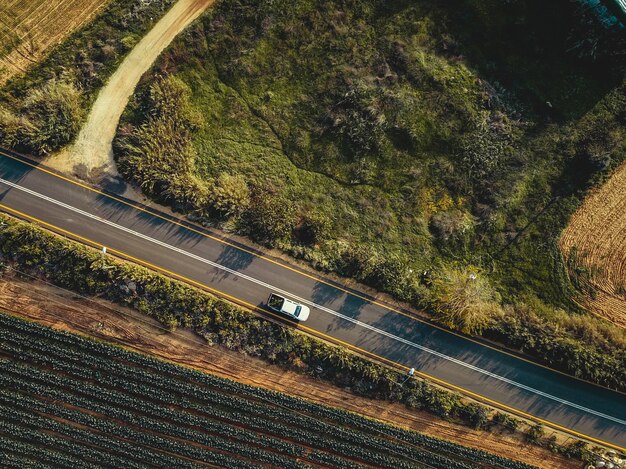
(403,145)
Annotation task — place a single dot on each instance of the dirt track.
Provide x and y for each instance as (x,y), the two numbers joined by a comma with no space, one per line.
(52,307)
(598,232)
(93,146)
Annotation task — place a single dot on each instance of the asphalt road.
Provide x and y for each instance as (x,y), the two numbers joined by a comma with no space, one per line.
(343,315)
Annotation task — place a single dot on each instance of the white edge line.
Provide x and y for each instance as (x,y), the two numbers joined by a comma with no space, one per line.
(317,306)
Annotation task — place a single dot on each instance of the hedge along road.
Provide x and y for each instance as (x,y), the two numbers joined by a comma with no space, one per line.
(194,255)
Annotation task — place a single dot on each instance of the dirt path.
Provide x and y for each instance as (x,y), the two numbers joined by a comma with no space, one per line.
(598,232)
(53,307)
(93,149)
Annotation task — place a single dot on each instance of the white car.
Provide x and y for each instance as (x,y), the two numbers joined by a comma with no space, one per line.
(282,305)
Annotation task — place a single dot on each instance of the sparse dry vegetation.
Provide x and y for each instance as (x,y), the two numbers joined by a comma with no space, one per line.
(28,29)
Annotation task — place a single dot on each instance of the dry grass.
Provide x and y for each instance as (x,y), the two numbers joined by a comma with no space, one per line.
(28,29)
(597,232)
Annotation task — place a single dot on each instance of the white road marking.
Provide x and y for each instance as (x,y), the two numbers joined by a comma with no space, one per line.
(315,305)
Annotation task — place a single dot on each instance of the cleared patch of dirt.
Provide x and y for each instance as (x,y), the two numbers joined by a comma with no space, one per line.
(62,310)
(596,235)
(28,29)
(93,148)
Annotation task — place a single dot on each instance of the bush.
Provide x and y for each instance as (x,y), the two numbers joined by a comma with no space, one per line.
(157,152)
(48,118)
(270,218)
(534,433)
(464,300)
(230,196)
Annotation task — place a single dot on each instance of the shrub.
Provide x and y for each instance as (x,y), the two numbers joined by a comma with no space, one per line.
(270,218)
(157,152)
(47,119)
(313,229)
(464,300)
(230,196)
(534,433)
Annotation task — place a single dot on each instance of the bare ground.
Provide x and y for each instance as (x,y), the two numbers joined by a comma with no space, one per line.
(62,310)
(597,231)
(93,147)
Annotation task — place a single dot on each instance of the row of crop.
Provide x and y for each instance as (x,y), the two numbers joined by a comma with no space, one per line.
(78,456)
(315,435)
(15,461)
(30,380)
(374,457)
(218,383)
(21,449)
(138,398)
(319,412)
(211,403)
(121,431)
(125,450)
(8,413)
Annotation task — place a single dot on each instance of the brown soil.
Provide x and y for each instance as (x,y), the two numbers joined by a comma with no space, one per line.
(93,148)
(54,307)
(598,233)
(28,29)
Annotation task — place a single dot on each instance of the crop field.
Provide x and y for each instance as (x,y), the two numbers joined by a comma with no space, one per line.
(69,401)
(29,28)
(595,245)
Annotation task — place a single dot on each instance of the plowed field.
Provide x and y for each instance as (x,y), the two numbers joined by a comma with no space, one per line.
(29,28)
(594,246)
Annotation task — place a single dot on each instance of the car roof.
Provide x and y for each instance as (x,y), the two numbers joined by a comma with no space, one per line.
(289,306)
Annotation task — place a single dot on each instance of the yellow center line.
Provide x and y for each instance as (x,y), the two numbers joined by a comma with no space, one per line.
(24,160)
(314,332)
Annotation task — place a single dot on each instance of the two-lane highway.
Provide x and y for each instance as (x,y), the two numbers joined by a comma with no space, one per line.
(193,254)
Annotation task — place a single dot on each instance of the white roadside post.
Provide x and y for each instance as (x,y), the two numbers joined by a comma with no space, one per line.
(410,375)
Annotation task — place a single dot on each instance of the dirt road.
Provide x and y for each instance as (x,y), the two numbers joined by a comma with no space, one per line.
(598,232)
(49,305)
(93,146)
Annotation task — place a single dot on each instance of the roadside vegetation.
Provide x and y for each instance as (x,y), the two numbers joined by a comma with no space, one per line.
(71,400)
(432,152)
(27,248)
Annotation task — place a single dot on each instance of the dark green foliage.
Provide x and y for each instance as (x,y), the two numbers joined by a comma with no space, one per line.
(270,218)
(535,433)
(108,389)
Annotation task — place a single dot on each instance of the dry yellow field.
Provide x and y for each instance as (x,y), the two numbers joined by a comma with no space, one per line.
(29,28)
(598,233)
